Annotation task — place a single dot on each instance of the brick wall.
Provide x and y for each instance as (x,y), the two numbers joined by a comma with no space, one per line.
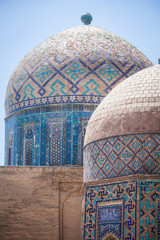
(40,203)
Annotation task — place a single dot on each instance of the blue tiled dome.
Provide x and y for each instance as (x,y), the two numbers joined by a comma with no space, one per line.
(54,90)
(79,65)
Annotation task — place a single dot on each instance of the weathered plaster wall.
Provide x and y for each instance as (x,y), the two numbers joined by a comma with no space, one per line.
(40,203)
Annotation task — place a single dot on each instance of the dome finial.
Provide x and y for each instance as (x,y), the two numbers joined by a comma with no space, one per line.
(86,18)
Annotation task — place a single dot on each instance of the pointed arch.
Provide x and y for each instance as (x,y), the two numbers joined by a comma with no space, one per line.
(71,216)
(110,236)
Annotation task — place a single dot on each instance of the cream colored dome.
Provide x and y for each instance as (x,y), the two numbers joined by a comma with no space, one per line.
(123,134)
(132,107)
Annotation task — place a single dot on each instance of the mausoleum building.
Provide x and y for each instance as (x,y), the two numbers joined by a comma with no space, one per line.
(82,141)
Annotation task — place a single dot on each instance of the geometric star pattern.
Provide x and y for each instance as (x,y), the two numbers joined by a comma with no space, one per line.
(122,156)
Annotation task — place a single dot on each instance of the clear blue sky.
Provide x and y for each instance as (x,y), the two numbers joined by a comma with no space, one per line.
(24,24)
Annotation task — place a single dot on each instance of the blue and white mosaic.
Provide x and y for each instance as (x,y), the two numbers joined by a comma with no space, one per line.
(76,67)
(110,211)
(109,219)
(45,137)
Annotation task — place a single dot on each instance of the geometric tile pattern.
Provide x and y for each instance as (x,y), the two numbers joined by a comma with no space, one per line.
(26,144)
(10,129)
(109,72)
(122,156)
(72,68)
(10,148)
(157,230)
(83,121)
(50,136)
(104,214)
(55,145)
(149,210)
(55,142)
(28,140)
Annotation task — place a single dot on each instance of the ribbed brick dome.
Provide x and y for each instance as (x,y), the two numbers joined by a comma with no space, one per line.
(123,134)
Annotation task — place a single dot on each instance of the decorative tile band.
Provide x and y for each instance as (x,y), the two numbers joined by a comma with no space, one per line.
(122,156)
(54,100)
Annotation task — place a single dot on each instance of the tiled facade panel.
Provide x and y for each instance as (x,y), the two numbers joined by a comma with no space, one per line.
(149,219)
(118,216)
(121,210)
(28,144)
(11,132)
(46,137)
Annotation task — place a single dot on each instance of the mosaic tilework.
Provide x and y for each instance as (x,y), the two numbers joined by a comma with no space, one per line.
(110,194)
(122,156)
(49,136)
(56,148)
(158,218)
(109,219)
(80,65)
(83,124)
(55,144)
(10,149)
(149,210)
(10,158)
(28,140)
